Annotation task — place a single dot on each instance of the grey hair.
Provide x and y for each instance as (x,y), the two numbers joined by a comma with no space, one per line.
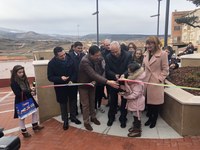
(107,41)
(115,43)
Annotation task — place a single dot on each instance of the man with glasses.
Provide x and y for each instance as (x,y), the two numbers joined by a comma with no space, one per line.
(87,73)
(60,71)
(117,66)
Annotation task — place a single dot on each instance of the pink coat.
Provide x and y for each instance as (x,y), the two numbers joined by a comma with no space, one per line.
(156,70)
(135,95)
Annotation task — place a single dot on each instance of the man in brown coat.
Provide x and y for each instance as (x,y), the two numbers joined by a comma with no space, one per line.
(87,74)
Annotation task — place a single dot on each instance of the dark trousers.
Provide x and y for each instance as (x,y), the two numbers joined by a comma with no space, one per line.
(153,111)
(99,93)
(114,104)
(73,101)
(64,111)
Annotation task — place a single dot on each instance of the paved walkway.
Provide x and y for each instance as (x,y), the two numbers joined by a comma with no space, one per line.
(76,138)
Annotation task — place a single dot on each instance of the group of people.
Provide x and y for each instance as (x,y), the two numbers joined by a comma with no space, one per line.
(110,66)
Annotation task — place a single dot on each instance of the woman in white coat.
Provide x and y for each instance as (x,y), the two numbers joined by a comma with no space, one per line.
(156,67)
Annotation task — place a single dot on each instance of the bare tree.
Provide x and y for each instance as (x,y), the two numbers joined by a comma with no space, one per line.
(190,19)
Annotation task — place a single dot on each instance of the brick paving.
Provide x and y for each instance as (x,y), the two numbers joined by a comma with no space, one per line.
(54,138)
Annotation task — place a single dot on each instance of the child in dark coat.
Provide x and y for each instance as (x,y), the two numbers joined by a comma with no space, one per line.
(21,88)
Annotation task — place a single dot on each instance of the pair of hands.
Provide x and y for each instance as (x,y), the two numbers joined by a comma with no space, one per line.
(33,91)
(115,84)
(64,78)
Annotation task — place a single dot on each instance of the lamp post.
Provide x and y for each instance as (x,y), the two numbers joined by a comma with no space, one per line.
(158,17)
(78,31)
(166,22)
(97,14)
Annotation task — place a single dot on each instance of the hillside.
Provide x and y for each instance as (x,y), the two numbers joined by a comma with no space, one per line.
(14,40)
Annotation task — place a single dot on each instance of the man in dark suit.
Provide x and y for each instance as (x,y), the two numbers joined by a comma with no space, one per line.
(117,66)
(87,74)
(60,71)
(76,55)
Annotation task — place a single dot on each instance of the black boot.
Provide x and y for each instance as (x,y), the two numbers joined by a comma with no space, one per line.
(155,111)
(154,121)
(37,127)
(25,133)
(148,121)
(134,124)
(65,125)
(149,115)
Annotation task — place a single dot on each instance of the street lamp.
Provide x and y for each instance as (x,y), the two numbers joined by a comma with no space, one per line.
(158,19)
(97,14)
(166,22)
(78,31)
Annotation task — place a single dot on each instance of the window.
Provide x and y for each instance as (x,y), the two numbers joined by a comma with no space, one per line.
(177,28)
(175,40)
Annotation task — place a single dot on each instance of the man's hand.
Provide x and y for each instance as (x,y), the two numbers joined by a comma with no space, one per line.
(64,78)
(122,76)
(70,82)
(113,84)
(117,76)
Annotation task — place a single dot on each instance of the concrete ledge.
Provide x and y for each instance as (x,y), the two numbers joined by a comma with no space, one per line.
(43,55)
(181,111)
(46,96)
(192,60)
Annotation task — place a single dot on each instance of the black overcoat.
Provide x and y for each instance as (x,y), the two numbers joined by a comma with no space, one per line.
(117,65)
(20,96)
(55,70)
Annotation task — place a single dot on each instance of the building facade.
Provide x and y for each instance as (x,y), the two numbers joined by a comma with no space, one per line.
(176,29)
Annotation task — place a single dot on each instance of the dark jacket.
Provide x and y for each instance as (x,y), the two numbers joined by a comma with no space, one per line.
(56,69)
(104,52)
(20,96)
(117,65)
(87,72)
(100,68)
(76,60)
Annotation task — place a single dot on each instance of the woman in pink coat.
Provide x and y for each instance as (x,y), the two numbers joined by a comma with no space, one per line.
(156,67)
(134,93)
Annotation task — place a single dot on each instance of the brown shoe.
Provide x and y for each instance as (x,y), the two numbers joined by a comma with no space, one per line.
(95,121)
(88,126)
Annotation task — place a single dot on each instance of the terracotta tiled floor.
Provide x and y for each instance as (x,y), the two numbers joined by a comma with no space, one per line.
(54,138)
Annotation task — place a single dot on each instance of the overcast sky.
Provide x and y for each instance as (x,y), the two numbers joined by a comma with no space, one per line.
(73,17)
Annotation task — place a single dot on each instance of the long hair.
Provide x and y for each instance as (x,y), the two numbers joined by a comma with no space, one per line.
(155,40)
(14,76)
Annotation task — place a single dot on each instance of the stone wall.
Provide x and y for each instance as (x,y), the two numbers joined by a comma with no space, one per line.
(48,106)
(181,111)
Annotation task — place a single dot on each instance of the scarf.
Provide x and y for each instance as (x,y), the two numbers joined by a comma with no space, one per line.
(23,83)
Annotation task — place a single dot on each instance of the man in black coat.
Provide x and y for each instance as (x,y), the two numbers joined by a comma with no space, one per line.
(60,71)
(76,55)
(117,66)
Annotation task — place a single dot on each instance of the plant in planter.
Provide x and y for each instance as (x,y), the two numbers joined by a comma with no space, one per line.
(186,76)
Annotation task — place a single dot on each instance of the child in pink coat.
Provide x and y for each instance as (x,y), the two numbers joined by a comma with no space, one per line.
(134,93)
